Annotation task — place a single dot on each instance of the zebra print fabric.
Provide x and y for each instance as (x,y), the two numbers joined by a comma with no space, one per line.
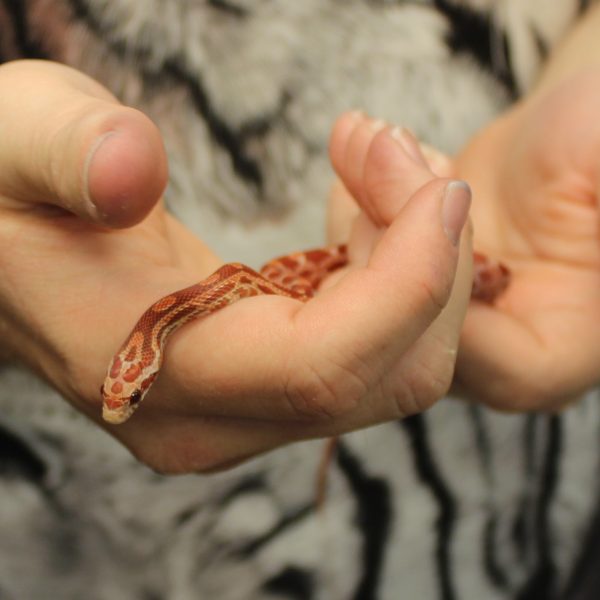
(460,503)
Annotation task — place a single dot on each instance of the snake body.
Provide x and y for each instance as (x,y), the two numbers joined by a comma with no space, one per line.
(135,366)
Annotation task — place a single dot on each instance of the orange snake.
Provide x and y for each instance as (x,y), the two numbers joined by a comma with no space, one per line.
(137,363)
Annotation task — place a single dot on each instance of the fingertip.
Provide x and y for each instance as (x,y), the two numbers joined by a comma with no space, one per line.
(417,233)
(126,170)
(456,203)
(393,171)
(340,134)
(438,162)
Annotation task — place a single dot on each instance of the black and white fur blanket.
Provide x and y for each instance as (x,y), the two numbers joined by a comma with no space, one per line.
(460,503)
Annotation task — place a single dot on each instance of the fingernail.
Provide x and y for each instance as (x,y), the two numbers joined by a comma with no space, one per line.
(89,203)
(357,113)
(455,209)
(378,125)
(409,143)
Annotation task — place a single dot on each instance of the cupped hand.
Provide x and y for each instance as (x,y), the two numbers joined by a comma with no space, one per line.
(86,246)
(535,176)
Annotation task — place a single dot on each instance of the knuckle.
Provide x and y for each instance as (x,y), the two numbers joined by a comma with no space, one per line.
(324,392)
(432,293)
(438,383)
(425,386)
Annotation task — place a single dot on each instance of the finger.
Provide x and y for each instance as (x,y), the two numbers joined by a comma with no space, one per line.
(340,134)
(408,281)
(68,142)
(429,365)
(357,140)
(349,145)
(342,210)
(394,170)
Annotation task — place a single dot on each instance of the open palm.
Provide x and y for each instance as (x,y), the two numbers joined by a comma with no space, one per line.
(535,174)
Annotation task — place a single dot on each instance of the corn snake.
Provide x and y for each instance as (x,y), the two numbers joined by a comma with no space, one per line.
(135,366)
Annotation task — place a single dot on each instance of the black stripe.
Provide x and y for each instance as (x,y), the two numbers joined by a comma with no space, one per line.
(542,583)
(482,441)
(584,582)
(292,582)
(471,33)
(521,530)
(540,43)
(231,141)
(247,485)
(491,564)
(430,475)
(173,72)
(29,48)
(17,458)
(287,521)
(132,51)
(374,516)
(229,8)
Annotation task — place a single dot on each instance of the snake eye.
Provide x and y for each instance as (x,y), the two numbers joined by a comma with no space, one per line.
(135,397)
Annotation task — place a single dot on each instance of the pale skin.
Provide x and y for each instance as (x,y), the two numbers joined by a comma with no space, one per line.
(392,320)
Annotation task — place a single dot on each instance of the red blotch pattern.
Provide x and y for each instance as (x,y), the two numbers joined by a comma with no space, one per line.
(132,373)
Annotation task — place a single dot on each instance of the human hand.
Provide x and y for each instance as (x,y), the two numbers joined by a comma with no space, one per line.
(377,344)
(535,177)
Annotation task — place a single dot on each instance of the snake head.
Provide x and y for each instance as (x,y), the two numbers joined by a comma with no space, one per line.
(125,386)
(119,401)
(129,376)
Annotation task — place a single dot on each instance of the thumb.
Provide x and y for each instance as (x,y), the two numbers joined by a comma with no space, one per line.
(68,142)
(407,283)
